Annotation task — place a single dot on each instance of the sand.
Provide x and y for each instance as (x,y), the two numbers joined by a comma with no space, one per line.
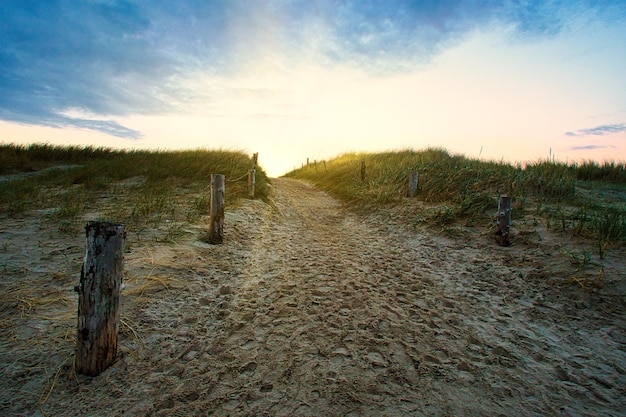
(308,309)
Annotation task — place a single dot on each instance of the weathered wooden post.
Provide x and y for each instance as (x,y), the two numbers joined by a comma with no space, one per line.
(251,181)
(362,169)
(216,217)
(503,221)
(413,182)
(98,297)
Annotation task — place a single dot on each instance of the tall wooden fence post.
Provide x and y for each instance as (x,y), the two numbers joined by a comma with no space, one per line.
(216,218)
(413,182)
(98,297)
(251,182)
(503,221)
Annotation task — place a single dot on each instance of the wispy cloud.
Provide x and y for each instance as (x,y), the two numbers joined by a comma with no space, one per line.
(105,126)
(117,58)
(590,147)
(109,127)
(599,130)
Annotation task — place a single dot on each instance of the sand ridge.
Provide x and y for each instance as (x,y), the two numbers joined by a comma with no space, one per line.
(308,309)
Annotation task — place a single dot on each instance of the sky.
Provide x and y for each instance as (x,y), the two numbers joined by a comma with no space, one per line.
(506,80)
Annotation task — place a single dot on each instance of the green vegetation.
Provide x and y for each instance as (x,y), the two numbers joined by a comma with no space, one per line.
(18,158)
(144,189)
(586,200)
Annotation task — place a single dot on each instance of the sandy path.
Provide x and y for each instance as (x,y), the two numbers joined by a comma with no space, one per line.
(335,315)
(310,310)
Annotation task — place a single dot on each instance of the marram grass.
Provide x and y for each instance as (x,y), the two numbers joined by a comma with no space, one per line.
(460,188)
(144,189)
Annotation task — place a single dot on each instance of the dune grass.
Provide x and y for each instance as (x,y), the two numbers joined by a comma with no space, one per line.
(587,199)
(144,189)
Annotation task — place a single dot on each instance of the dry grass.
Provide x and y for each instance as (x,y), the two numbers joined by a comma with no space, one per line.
(140,287)
(96,175)
(47,194)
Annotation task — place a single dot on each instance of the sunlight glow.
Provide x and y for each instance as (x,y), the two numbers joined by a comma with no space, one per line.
(492,95)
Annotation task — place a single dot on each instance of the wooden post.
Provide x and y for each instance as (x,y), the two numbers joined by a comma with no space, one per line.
(413,182)
(503,221)
(251,181)
(216,218)
(98,297)
(362,169)
(255,159)
(307,162)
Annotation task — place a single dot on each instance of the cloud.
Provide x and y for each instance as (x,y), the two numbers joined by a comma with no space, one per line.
(396,35)
(109,127)
(98,56)
(589,147)
(118,58)
(599,130)
(106,126)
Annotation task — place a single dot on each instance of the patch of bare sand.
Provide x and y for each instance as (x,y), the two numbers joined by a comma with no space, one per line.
(309,310)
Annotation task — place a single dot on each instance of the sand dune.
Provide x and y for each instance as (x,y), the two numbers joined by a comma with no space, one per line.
(310,310)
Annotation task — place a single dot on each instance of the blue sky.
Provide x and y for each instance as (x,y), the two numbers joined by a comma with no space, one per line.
(291,79)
